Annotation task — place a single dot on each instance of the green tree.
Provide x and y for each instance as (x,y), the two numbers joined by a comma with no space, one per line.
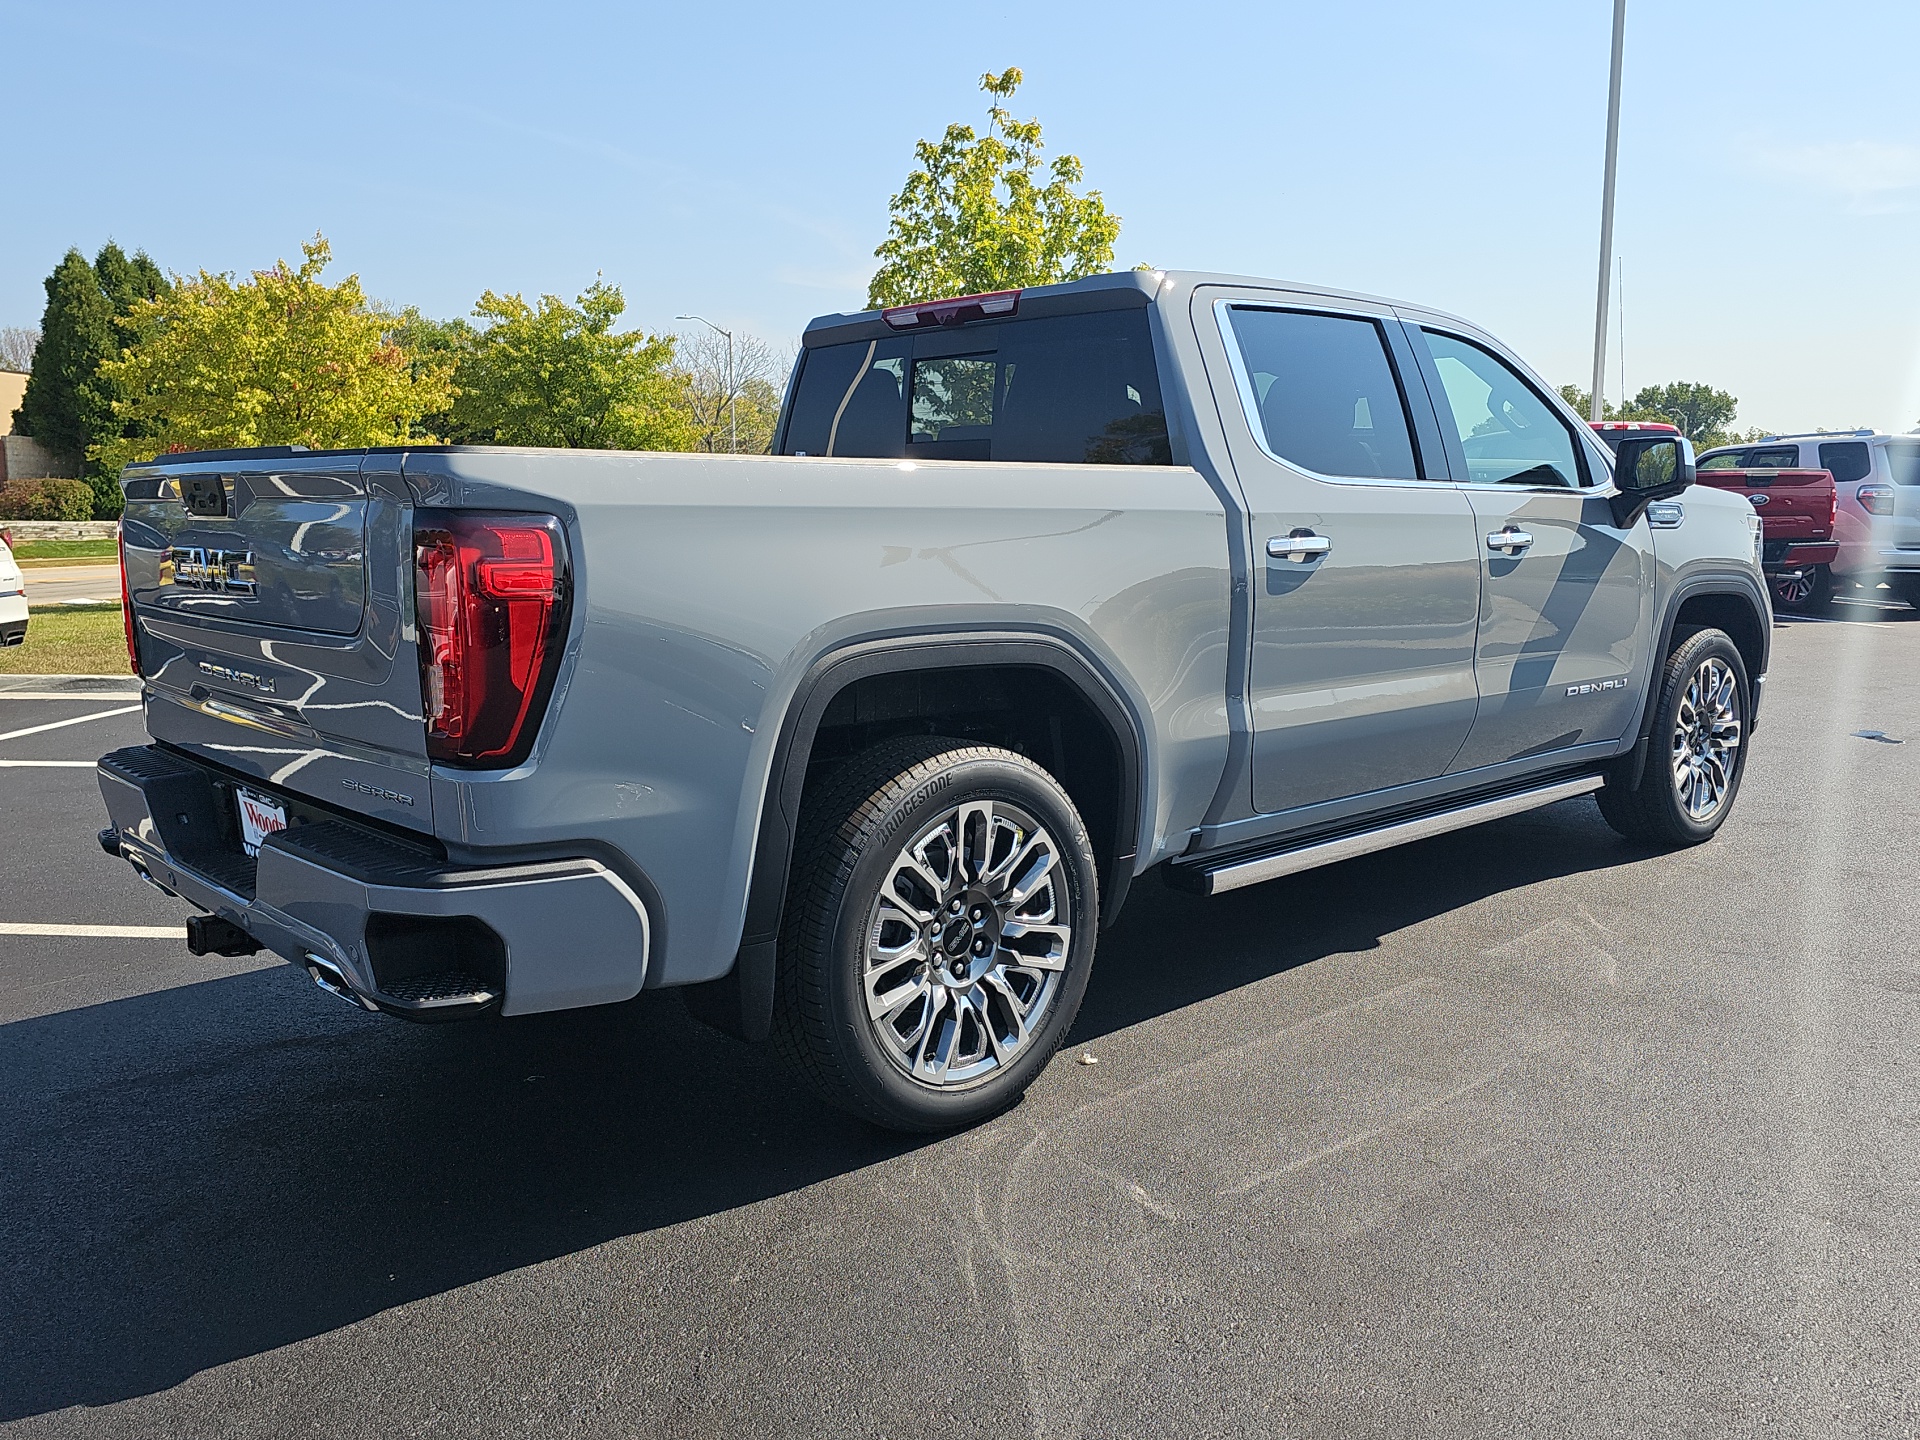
(279,359)
(561,375)
(61,408)
(69,405)
(976,216)
(1699,410)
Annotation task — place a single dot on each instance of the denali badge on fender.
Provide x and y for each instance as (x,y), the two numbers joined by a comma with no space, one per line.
(1594,687)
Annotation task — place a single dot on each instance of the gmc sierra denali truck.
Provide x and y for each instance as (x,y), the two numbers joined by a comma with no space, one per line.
(864,740)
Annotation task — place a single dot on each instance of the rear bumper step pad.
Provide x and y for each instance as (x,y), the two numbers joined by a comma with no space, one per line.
(573,932)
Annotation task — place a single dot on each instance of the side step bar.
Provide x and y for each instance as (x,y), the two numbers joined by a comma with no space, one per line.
(1217,876)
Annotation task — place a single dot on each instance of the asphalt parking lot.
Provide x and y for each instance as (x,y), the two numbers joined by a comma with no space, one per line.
(1522,1131)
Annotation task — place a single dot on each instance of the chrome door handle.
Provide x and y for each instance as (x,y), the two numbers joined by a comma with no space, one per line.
(1510,541)
(1299,547)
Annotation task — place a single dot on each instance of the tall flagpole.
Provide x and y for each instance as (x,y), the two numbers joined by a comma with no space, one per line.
(1595,403)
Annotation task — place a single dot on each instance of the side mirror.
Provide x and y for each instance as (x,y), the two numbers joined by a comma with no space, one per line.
(1647,468)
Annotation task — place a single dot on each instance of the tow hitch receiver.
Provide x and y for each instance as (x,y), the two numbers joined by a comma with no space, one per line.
(210,935)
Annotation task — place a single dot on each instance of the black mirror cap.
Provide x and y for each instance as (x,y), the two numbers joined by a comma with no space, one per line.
(1647,468)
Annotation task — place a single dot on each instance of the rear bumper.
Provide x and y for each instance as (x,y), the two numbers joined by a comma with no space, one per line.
(13,619)
(1792,555)
(391,921)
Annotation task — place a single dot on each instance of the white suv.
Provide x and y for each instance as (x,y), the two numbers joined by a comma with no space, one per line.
(1878,477)
(13,598)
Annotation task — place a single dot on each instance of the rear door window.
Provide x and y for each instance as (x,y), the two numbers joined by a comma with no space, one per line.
(1848,460)
(851,400)
(1069,388)
(1324,395)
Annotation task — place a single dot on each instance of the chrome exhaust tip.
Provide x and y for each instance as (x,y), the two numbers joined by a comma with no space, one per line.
(329,978)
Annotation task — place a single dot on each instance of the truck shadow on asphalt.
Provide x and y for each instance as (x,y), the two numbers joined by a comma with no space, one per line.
(209,1172)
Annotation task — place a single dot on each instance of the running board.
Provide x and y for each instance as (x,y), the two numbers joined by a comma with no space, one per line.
(1217,876)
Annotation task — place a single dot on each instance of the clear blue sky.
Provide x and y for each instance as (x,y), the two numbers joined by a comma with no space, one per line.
(736,159)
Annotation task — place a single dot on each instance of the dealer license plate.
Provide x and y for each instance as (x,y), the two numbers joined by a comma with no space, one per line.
(259,818)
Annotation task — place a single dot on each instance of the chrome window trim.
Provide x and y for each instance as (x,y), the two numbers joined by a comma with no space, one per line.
(1249,402)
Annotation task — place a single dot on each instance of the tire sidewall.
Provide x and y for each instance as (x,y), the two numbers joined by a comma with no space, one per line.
(873,1072)
(1695,651)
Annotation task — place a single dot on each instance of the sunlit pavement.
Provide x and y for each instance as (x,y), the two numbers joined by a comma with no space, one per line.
(1521,1131)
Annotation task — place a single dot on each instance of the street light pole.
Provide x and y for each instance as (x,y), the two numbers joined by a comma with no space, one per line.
(733,420)
(1595,404)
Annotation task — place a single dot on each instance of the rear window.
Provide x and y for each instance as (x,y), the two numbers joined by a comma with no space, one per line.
(1774,457)
(1903,461)
(1727,460)
(1847,459)
(1070,388)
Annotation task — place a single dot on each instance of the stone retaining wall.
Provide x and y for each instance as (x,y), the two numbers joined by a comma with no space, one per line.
(61,529)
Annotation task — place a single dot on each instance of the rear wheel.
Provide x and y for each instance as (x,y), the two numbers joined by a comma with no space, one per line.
(1907,587)
(1810,590)
(939,932)
(1698,751)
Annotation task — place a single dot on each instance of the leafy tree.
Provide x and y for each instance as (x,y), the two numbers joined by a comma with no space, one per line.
(62,409)
(1703,414)
(975,216)
(1699,410)
(69,405)
(432,347)
(279,359)
(560,375)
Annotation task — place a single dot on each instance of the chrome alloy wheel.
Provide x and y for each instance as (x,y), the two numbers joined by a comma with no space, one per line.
(966,944)
(1706,738)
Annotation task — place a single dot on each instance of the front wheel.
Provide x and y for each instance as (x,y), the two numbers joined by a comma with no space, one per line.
(938,935)
(1692,773)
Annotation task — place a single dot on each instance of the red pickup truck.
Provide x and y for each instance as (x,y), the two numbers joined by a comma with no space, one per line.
(1798,511)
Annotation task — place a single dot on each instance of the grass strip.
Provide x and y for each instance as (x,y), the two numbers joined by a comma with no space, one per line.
(86,640)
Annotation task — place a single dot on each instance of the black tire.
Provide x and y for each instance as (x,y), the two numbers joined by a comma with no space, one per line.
(1817,597)
(853,834)
(1907,587)
(1653,810)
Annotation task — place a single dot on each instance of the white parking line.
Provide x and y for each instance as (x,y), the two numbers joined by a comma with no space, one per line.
(76,720)
(69,695)
(99,932)
(48,764)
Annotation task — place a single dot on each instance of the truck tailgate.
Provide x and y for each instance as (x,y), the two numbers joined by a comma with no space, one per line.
(268,590)
(1792,504)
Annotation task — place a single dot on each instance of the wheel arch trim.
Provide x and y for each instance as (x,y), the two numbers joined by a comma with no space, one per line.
(741,1001)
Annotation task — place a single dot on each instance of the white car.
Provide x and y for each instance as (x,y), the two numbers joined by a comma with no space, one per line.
(13,598)
(1878,479)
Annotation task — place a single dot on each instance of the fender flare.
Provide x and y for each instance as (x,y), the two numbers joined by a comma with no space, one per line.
(741,1001)
(1716,582)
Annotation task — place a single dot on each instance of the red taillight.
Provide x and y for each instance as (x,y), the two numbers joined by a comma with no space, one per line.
(490,595)
(1875,499)
(956,311)
(126,606)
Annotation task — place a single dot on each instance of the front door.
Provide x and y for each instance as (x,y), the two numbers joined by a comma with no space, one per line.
(1566,595)
(1366,576)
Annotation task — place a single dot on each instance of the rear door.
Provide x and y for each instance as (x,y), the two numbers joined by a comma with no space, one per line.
(270,594)
(1366,579)
(1565,595)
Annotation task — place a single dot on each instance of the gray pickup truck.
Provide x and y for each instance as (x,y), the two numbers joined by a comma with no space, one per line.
(863,741)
